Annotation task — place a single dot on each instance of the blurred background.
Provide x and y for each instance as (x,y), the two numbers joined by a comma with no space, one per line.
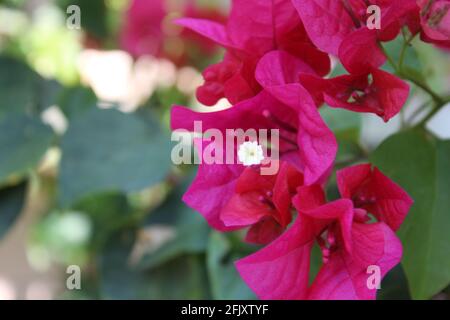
(85,171)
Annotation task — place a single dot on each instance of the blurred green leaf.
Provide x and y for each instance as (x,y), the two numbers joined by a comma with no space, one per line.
(182,278)
(109,213)
(226,283)
(12,200)
(76,100)
(346,125)
(316,262)
(106,150)
(190,230)
(23,142)
(93,16)
(340,119)
(410,56)
(22,90)
(19,87)
(421,166)
(394,285)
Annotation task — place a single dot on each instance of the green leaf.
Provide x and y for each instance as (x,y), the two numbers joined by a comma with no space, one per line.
(94,16)
(394,286)
(109,213)
(340,119)
(11,203)
(76,100)
(346,125)
(21,89)
(422,167)
(226,283)
(182,278)
(190,229)
(106,150)
(23,142)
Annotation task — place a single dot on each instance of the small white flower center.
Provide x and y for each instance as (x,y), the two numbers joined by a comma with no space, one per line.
(250,153)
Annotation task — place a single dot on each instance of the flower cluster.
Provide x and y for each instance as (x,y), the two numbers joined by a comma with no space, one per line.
(147,29)
(274,73)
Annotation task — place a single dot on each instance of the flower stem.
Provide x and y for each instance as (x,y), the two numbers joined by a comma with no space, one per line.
(401,72)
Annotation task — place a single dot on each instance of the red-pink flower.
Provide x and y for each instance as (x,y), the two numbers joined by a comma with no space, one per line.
(233,196)
(254,28)
(147,30)
(378,92)
(340,28)
(142,33)
(435,20)
(349,242)
(262,202)
(305,141)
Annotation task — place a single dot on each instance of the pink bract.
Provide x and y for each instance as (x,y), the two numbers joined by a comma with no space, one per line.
(254,28)
(350,244)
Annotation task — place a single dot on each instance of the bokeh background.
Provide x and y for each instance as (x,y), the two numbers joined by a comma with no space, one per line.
(85,172)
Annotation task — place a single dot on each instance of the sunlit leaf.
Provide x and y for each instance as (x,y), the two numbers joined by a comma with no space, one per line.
(421,166)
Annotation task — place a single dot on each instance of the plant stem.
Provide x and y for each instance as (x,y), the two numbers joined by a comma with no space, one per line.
(423,86)
(399,70)
(418,112)
(433,112)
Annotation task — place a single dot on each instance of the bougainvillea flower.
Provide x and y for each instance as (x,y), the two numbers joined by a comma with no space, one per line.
(240,197)
(142,33)
(379,92)
(305,141)
(372,191)
(435,20)
(278,73)
(340,28)
(192,10)
(211,190)
(274,25)
(146,30)
(349,241)
(262,202)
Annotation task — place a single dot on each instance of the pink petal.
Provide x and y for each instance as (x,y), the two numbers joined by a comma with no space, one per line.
(279,68)
(387,200)
(352,178)
(359,52)
(326,22)
(340,210)
(287,181)
(264,232)
(318,145)
(345,277)
(243,210)
(259,25)
(393,203)
(281,270)
(209,29)
(208,196)
(393,92)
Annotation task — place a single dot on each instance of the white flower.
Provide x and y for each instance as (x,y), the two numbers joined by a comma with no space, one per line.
(250,153)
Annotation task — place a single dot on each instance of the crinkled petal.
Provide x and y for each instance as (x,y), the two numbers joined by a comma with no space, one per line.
(377,193)
(346,277)
(281,270)
(359,52)
(326,21)
(209,29)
